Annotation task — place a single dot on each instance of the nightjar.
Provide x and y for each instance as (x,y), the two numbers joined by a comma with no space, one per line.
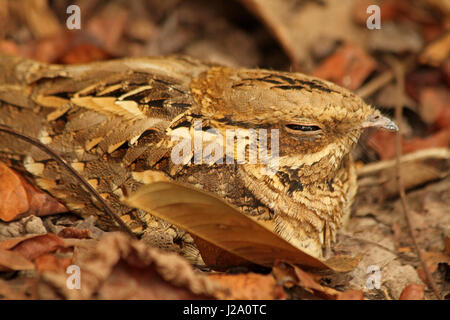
(114,122)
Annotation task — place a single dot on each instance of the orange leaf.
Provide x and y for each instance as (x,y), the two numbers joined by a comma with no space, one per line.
(351,294)
(413,292)
(13,196)
(383,143)
(18,198)
(348,67)
(249,286)
(50,262)
(84,53)
(34,247)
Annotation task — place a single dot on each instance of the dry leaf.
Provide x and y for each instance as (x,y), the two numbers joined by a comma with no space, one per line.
(71,232)
(40,19)
(349,66)
(389,10)
(249,286)
(18,198)
(298,27)
(13,196)
(415,173)
(48,49)
(12,242)
(436,52)
(351,294)
(119,267)
(84,53)
(383,142)
(9,47)
(216,258)
(293,275)
(395,38)
(50,262)
(109,25)
(421,78)
(435,106)
(217,222)
(413,292)
(13,261)
(34,247)
(344,263)
(12,290)
(433,258)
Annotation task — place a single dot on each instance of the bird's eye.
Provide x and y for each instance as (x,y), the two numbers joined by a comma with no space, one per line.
(304,128)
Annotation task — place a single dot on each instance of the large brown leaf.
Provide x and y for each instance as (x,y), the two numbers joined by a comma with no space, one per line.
(220,224)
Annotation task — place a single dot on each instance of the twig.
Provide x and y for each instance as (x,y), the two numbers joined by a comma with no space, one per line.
(399,73)
(432,153)
(369,242)
(109,211)
(376,84)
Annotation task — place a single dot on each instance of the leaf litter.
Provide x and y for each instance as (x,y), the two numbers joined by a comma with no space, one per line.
(36,250)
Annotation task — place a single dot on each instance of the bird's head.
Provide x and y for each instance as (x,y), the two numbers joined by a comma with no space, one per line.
(318,122)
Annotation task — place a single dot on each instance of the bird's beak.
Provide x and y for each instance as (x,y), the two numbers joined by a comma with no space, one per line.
(379,121)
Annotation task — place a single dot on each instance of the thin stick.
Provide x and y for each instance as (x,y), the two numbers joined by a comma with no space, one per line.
(376,84)
(399,73)
(432,153)
(68,167)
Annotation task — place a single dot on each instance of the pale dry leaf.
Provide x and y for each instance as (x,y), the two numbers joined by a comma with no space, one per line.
(217,222)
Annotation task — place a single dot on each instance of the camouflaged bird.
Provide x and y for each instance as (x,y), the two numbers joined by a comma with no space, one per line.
(112,121)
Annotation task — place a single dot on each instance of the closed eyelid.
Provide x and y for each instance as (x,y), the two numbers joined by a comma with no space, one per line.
(303,127)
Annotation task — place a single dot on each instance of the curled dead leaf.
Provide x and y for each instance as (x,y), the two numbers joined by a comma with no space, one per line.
(218,223)
(119,267)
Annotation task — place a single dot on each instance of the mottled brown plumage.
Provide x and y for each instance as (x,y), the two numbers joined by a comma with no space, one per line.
(113,121)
